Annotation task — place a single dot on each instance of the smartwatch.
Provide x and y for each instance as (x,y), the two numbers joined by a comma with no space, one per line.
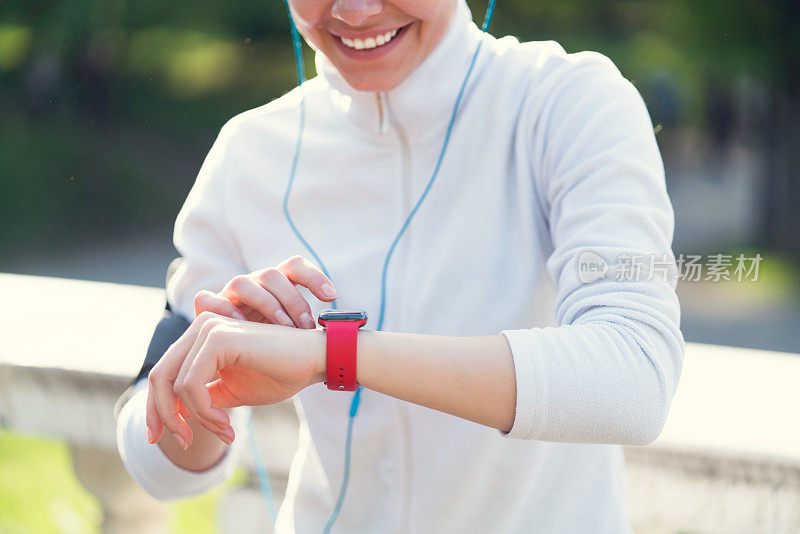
(341,331)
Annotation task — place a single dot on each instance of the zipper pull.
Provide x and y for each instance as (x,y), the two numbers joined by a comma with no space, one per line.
(383,113)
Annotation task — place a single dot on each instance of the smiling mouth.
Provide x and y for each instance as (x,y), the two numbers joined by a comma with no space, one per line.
(375,41)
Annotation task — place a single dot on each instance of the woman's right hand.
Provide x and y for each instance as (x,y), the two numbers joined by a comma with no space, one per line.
(269,295)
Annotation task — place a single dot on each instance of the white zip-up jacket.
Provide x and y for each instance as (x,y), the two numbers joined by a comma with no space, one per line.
(551,155)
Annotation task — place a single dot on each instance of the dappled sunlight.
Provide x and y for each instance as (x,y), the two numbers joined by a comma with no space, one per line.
(203,69)
(188,63)
(15,45)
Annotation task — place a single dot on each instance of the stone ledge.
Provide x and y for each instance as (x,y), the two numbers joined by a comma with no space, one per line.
(720,465)
(728,459)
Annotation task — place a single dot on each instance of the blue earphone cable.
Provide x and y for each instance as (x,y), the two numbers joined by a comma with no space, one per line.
(427,188)
(347,445)
(298,48)
(261,469)
(487,19)
(298,53)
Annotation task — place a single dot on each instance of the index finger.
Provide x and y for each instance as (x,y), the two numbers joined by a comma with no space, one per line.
(301,271)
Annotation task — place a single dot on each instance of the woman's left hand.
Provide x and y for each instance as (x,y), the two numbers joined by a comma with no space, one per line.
(221,362)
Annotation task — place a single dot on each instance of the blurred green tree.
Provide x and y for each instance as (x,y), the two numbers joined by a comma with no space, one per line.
(178,70)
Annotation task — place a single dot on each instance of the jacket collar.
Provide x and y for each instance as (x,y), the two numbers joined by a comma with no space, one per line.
(423,102)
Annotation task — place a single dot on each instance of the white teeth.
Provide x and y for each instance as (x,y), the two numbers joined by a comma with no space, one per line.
(369,42)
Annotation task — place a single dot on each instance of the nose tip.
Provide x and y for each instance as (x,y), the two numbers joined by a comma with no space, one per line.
(356,12)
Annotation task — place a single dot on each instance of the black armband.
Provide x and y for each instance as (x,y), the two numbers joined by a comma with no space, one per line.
(169,329)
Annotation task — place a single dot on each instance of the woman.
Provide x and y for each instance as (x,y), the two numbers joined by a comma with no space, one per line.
(531,323)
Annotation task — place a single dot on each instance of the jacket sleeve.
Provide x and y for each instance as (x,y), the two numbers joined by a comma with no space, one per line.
(203,236)
(210,259)
(154,471)
(608,372)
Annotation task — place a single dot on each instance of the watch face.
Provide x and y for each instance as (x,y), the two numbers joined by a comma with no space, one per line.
(341,315)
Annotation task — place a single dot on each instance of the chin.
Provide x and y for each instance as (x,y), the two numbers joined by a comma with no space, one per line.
(367,82)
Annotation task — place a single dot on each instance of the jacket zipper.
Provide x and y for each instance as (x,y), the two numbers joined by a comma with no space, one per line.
(385,118)
(405,148)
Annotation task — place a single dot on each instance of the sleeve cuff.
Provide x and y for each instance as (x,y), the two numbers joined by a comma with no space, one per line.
(531,385)
(153,470)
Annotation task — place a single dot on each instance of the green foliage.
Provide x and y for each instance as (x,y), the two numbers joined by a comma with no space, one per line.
(65,180)
(694,44)
(15,43)
(199,515)
(40,494)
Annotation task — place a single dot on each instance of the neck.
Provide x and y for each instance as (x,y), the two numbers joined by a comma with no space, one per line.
(422,101)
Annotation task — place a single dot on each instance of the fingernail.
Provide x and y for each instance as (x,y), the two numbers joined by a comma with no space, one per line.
(182,442)
(328,291)
(150,436)
(306,320)
(239,315)
(283,319)
(226,435)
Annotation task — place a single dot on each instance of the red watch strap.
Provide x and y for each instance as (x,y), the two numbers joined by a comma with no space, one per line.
(340,357)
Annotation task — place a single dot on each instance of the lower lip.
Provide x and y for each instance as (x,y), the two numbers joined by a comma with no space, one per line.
(372,53)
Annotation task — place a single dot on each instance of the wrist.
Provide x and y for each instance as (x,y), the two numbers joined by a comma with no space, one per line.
(318,352)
